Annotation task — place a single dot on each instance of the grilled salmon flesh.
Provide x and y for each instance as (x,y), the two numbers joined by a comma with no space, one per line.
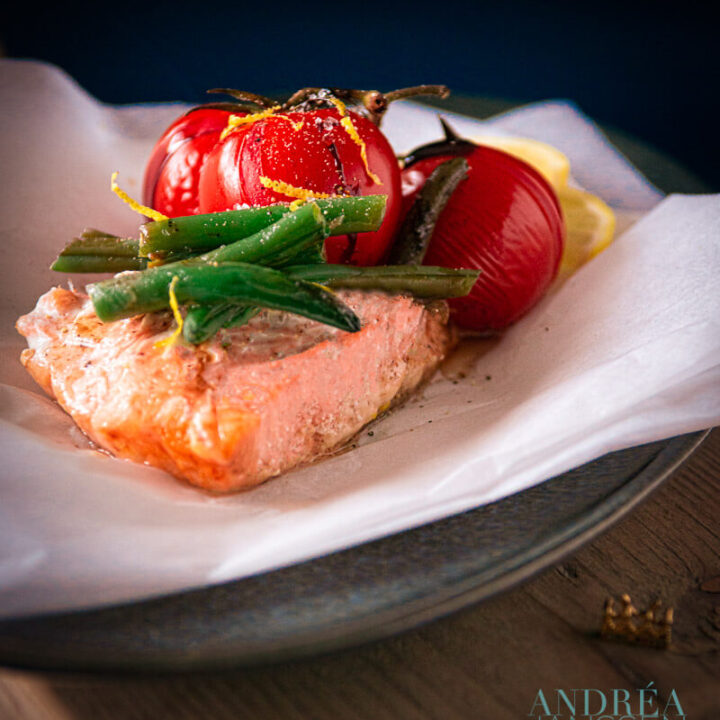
(250,404)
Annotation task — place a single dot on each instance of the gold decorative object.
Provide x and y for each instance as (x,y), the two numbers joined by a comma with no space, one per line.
(625,622)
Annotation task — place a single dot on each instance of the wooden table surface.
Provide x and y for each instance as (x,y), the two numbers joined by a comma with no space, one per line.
(488,661)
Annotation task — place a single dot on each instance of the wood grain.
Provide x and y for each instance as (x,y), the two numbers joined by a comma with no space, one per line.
(485,662)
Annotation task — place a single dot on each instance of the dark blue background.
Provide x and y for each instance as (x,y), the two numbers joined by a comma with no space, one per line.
(642,67)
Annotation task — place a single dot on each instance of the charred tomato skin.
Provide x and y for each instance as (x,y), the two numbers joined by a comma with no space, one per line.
(309,150)
(172,174)
(505,220)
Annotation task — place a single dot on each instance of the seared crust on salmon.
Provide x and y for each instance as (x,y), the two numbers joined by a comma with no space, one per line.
(250,404)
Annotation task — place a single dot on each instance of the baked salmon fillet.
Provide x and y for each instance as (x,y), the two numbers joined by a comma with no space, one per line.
(248,405)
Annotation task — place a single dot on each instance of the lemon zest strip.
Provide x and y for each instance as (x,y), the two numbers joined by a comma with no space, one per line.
(235,121)
(322,287)
(290,190)
(133,204)
(169,341)
(347,124)
(340,105)
(296,125)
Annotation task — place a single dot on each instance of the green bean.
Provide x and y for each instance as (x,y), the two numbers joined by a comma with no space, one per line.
(103,251)
(97,264)
(97,242)
(294,236)
(205,232)
(241,316)
(297,234)
(421,281)
(203,322)
(307,252)
(416,230)
(301,231)
(309,256)
(277,243)
(98,251)
(208,283)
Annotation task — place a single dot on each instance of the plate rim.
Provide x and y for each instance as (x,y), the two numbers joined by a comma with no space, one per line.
(401,617)
(389,621)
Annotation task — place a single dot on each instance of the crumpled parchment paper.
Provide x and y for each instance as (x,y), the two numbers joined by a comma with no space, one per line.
(626,352)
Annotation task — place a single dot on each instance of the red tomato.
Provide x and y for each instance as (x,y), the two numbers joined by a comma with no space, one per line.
(309,150)
(173,171)
(504,219)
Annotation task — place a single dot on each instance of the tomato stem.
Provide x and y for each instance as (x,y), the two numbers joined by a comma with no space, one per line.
(453,144)
(401,93)
(374,102)
(377,104)
(451,134)
(245,97)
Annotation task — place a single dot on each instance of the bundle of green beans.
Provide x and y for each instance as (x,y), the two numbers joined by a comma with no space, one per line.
(183,237)
(226,266)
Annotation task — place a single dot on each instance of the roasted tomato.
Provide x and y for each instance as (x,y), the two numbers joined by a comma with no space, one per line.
(317,153)
(311,146)
(172,174)
(504,219)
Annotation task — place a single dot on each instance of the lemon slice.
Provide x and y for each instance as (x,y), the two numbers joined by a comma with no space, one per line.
(546,159)
(590,227)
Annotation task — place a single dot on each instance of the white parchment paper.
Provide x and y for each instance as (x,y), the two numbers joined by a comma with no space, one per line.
(627,351)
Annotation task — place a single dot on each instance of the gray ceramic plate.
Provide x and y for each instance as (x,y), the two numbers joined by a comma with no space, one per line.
(373,590)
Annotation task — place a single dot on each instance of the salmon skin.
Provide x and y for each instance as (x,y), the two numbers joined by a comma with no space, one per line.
(245,406)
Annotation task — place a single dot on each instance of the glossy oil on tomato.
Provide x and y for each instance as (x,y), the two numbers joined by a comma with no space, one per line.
(172,174)
(504,220)
(312,151)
